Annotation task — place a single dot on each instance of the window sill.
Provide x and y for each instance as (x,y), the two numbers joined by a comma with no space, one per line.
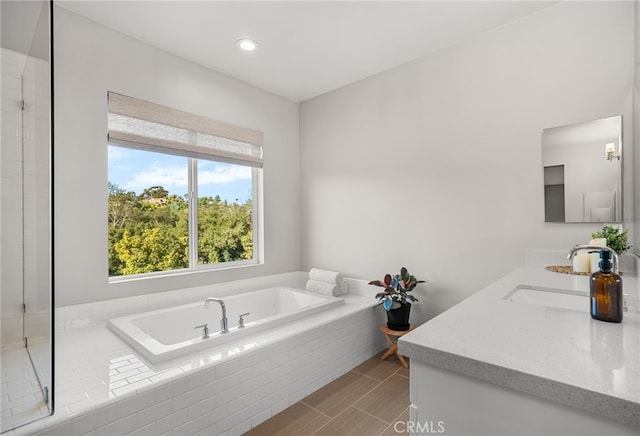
(186,272)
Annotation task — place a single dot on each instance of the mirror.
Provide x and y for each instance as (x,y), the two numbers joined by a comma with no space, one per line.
(583,172)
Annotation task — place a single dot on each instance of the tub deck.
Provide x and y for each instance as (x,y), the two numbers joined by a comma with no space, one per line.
(103,384)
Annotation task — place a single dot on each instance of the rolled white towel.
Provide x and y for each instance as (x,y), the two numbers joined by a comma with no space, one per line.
(323,275)
(323,288)
(343,288)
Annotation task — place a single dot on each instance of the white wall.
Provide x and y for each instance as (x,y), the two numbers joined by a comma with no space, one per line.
(91,60)
(437,165)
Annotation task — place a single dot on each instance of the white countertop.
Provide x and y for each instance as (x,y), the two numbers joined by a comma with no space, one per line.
(560,354)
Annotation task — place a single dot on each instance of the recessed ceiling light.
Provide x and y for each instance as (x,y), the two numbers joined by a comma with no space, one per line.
(247,44)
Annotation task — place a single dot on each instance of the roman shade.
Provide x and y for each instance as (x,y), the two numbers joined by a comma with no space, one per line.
(141,124)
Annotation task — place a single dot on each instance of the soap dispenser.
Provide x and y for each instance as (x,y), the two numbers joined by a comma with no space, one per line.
(606,291)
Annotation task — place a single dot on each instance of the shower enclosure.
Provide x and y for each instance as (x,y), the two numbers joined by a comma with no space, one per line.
(26,282)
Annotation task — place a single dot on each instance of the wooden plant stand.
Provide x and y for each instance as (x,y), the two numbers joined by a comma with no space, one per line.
(393,345)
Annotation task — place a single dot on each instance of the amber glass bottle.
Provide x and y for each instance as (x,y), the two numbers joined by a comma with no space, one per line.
(606,292)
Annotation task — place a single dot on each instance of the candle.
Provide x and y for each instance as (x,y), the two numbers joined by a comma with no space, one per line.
(595,262)
(598,242)
(594,258)
(581,262)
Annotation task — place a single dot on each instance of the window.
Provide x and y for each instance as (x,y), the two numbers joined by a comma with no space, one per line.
(181,196)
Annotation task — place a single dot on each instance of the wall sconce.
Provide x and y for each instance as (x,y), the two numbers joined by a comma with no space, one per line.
(610,152)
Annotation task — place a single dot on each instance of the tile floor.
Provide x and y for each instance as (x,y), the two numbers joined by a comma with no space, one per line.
(366,401)
(21,398)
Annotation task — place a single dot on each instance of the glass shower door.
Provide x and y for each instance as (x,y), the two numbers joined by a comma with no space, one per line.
(26,314)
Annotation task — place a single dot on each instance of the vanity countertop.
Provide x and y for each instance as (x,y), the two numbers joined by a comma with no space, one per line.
(560,354)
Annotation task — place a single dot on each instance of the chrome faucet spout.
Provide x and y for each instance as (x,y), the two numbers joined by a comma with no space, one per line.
(595,248)
(223,322)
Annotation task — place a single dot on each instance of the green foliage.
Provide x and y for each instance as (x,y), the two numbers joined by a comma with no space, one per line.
(224,231)
(616,240)
(154,192)
(121,206)
(150,232)
(152,250)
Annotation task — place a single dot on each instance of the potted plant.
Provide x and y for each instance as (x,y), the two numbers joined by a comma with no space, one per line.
(395,298)
(616,239)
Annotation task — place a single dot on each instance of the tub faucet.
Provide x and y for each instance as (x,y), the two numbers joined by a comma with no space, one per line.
(241,320)
(592,248)
(223,321)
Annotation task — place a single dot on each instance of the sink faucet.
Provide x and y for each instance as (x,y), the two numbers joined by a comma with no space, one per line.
(592,248)
(223,321)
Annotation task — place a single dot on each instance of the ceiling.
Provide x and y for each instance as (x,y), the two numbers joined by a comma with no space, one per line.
(306,48)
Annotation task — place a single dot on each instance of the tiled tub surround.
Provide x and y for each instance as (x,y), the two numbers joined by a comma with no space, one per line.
(104,387)
(516,353)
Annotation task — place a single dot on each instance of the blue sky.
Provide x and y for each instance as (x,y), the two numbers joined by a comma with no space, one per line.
(136,170)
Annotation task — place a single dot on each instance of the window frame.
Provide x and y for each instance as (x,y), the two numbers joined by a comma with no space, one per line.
(244,149)
(192,191)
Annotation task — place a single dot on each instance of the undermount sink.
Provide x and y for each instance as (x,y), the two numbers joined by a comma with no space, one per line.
(541,296)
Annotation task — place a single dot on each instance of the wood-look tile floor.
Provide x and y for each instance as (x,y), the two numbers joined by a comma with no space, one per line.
(366,401)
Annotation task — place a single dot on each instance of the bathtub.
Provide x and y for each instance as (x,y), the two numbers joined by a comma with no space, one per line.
(166,334)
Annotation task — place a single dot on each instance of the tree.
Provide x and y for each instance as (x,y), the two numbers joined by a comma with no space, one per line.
(121,204)
(147,235)
(225,232)
(152,250)
(154,192)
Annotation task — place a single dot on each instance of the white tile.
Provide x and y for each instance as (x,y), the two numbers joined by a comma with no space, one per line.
(210,418)
(187,399)
(93,420)
(240,417)
(119,427)
(124,375)
(27,429)
(121,364)
(118,384)
(201,378)
(227,368)
(241,428)
(154,413)
(142,376)
(63,429)
(205,406)
(166,375)
(188,428)
(137,402)
(170,422)
(133,387)
(147,430)
(171,389)
(261,417)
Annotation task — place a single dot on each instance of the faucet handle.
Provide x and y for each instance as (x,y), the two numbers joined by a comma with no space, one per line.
(205,330)
(241,320)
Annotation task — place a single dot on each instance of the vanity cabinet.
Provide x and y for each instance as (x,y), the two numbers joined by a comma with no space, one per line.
(492,365)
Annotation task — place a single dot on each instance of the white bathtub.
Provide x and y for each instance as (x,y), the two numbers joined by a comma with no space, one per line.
(169,333)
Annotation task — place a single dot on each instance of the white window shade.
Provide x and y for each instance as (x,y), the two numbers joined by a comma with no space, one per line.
(141,124)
